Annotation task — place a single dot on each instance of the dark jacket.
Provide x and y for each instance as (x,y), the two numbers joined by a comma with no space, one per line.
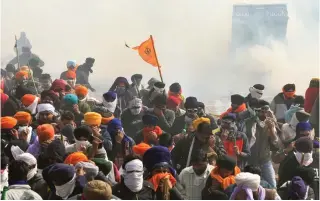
(241,140)
(39,185)
(107,141)
(11,107)
(165,122)
(83,73)
(63,75)
(180,152)
(77,117)
(261,149)
(125,148)
(131,123)
(124,193)
(178,125)
(287,168)
(283,192)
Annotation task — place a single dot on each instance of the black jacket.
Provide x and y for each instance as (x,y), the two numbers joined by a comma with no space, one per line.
(39,185)
(180,152)
(131,123)
(124,193)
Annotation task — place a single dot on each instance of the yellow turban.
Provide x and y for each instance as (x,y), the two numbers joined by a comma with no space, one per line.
(198,121)
(92,119)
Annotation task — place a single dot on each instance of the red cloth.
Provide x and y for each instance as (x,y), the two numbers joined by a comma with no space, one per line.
(4,98)
(310,97)
(147,130)
(228,146)
(116,173)
(173,101)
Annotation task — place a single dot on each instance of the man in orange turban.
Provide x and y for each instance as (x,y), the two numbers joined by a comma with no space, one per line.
(22,75)
(45,133)
(30,102)
(8,122)
(25,131)
(75,158)
(84,103)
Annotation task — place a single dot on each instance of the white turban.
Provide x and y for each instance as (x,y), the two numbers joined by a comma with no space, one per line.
(90,169)
(30,160)
(248,180)
(45,107)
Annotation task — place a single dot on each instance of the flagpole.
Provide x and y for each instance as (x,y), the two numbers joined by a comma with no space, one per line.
(155,53)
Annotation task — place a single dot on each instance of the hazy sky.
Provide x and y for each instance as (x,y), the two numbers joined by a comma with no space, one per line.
(191,39)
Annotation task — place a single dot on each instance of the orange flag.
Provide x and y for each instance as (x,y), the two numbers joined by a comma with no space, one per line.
(147,52)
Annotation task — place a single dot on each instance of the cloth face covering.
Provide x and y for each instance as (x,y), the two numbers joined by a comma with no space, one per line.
(81,144)
(255,93)
(65,190)
(135,111)
(111,106)
(133,176)
(307,158)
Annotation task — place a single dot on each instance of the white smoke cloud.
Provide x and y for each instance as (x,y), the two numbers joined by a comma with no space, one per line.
(192,40)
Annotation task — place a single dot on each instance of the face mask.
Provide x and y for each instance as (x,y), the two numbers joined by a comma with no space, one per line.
(135,111)
(81,144)
(304,159)
(134,181)
(83,100)
(65,190)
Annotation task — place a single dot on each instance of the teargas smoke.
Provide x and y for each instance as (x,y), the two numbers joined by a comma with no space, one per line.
(198,44)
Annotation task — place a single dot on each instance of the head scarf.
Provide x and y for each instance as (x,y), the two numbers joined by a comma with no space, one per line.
(256,91)
(45,132)
(31,161)
(81,90)
(110,101)
(114,125)
(8,122)
(289,90)
(64,177)
(75,158)
(92,118)
(30,102)
(173,101)
(23,118)
(133,175)
(155,179)
(59,85)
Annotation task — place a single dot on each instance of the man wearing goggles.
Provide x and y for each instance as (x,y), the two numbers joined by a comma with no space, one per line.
(235,143)
(262,135)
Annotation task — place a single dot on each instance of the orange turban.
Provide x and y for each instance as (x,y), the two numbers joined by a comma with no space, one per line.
(24,68)
(75,158)
(23,117)
(141,148)
(92,119)
(8,122)
(22,74)
(81,90)
(71,74)
(28,99)
(45,132)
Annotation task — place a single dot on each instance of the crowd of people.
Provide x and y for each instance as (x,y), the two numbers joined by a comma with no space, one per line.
(143,142)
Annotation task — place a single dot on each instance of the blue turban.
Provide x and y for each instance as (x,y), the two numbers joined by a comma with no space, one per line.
(60,173)
(157,156)
(304,126)
(298,189)
(71,63)
(114,125)
(230,116)
(110,96)
(70,99)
